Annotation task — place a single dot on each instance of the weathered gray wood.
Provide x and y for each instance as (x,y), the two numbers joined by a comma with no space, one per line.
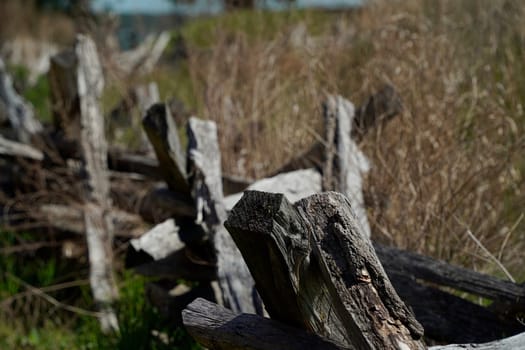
(218,328)
(516,342)
(378,108)
(344,163)
(163,135)
(294,185)
(93,146)
(314,269)
(235,281)
(159,242)
(448,318)
(439,272)
(15,110)
(17,149)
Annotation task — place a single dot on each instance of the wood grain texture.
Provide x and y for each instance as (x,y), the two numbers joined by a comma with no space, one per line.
(314,269)
(218,328)
(235,281)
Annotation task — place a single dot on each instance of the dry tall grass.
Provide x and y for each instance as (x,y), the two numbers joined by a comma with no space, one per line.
(21,18)
(448,173)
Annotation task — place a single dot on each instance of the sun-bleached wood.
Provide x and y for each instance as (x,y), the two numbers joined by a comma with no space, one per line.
(17,112)
(235,281)
(18,149)
(93,147)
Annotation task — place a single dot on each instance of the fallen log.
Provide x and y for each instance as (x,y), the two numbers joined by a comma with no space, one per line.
(314,269)
(448,318)
(441,273)
(218,328)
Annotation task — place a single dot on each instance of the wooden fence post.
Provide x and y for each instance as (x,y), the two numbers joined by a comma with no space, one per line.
(235,281)
(344,162)
(94,149)
(314,268)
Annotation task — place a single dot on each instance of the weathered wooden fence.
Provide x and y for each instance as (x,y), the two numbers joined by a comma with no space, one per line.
(318,274)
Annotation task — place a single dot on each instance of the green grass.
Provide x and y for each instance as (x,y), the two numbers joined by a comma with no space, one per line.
(255,25)
(30,322)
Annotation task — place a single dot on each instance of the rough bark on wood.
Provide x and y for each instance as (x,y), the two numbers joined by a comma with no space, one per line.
(15,110)
(315,269)
(512,343)
(294,185)
(235,281)
(218,328)
(163,135)
(344,162)
(93,146)
(17,149)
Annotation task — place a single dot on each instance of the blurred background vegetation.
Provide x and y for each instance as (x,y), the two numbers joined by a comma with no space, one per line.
(447,176)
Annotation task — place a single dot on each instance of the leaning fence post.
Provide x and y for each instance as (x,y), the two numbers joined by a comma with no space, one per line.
(235,281)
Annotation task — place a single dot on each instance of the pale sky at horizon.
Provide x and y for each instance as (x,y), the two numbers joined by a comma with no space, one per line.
(209,6)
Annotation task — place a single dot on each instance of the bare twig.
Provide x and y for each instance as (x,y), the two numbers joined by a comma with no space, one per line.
(39,292)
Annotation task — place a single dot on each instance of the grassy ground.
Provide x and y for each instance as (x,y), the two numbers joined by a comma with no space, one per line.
(447,177)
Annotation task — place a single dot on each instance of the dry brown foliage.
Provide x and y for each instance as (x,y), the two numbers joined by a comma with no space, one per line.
(447,174)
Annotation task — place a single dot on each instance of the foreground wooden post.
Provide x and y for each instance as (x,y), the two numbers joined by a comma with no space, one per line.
(315,269)
(235,281)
